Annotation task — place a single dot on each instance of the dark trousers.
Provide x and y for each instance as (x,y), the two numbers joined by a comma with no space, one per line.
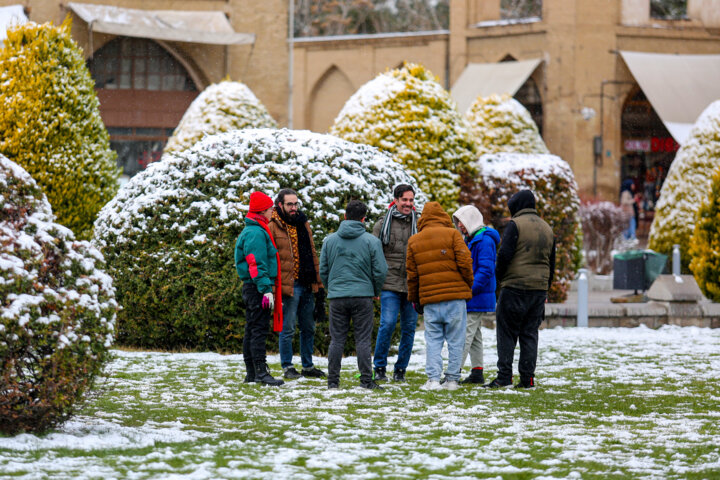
(519,314)
(257,326)
(359,310)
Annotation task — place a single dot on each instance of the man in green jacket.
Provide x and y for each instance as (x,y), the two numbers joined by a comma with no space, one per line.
(353,270)
(257,264)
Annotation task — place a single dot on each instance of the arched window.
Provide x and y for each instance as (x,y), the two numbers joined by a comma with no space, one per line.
(529,96)
(144,92)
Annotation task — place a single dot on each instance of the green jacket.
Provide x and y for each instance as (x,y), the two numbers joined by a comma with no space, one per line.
(396,252)
(255,258)
(352,263)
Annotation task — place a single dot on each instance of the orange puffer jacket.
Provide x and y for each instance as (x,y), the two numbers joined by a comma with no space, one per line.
(439,265)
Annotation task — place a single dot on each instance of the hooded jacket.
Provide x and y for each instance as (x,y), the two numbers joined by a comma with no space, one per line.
(482,242)
(439,266)
(526,259)
(352,263)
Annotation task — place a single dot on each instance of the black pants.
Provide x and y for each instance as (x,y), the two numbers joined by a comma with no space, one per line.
(519,314)
(342,311)
(257,325)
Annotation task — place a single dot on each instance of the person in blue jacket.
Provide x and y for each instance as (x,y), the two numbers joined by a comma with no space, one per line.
(482,242)
(258,266)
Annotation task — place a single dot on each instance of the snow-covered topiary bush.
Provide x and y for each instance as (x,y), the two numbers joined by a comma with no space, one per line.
(407,113)
(552,181)
(169,234)
(705,243)
(58,309)
(50,123)
(686,185)
(499,123)
(219,108)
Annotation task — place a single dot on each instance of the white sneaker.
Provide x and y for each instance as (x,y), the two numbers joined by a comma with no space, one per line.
(450,385)
(431,385)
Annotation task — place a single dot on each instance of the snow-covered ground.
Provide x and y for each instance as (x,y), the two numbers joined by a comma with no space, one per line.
(610,402)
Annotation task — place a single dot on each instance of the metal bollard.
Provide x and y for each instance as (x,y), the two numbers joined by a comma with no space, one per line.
(676,259)
(582,298)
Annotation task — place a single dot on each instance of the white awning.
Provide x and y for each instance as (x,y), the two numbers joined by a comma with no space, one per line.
(10,17)
(484,79)
(171,25)
(679,87)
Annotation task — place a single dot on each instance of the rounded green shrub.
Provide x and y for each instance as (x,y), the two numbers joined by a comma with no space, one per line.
(407,113)
(169,235)
(705,243)
(686,185)
(50,123)
(552,181)
(219,108)
(499,123)
(58,310)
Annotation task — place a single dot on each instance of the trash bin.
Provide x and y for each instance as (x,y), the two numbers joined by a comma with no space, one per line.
(637,269)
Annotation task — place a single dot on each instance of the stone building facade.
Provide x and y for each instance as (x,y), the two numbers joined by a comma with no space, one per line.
(589,105)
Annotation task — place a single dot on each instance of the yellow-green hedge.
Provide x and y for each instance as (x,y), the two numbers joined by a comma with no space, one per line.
(705,243)
(50,123)
(499,123)
(407,113)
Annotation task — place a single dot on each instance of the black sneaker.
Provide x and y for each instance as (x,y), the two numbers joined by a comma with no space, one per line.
(380,374)
(527,383)
(497,384)
(333,385)
(290,373)
(313,372)
(371,385)
(476,376)
(399,375)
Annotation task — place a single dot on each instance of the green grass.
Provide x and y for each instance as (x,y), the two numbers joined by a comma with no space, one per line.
(611,403)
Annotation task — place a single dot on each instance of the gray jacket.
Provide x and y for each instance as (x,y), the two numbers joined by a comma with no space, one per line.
(396,252)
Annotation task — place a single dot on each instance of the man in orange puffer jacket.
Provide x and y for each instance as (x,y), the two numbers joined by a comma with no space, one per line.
(440,278)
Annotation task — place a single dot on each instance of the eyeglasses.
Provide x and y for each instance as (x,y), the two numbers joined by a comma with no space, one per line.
(293,205)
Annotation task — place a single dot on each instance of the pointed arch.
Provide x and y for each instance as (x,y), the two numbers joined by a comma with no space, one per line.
(327,98)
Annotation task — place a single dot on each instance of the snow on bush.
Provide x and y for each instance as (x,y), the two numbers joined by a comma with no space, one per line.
(705,261)
(219,108)
(686,185)
(407,113)
(50,123)
(169,235)
(499,123)
(58,309)
(552,181)
(602,226)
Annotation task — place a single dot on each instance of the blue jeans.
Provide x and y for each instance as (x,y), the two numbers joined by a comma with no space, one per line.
(392,303)
(298,309)
(445,321)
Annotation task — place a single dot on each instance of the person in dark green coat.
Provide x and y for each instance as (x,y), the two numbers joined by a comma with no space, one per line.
(258,266)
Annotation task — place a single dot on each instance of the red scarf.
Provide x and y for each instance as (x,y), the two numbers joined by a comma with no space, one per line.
(278,314)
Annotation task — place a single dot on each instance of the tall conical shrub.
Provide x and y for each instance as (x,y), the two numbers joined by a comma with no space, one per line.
(686,185)
(705,243)
(407,113)
(219,108)
(50,123)
(499,123)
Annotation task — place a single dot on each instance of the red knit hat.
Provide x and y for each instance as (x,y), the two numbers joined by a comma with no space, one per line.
(259,202)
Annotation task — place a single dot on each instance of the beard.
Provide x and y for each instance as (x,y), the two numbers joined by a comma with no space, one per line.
(292,215)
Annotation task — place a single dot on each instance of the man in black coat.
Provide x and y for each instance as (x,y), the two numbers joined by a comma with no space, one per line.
(524,269)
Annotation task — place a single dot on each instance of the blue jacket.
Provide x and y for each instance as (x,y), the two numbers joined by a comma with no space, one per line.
(483,248)
(352,263)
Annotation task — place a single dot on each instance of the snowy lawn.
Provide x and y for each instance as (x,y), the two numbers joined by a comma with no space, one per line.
(611,403)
